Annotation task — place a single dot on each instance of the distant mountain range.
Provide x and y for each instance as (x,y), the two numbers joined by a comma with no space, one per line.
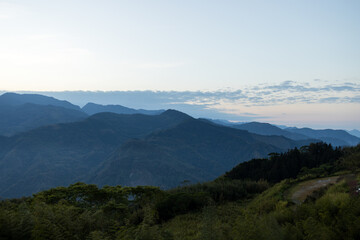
(355,133)
(21,118)
(193,150)
(45,142)
(109,148)
(14,99)
(268,130)
(334,137)
(92,108)
(23,112)
(60,154)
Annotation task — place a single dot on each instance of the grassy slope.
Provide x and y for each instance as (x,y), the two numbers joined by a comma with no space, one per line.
(269,215)
(331,212)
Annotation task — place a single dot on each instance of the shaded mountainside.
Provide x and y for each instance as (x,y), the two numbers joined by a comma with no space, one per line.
(59,154)
(354,132)
(23,112)
(194,150)
(137,149)
(14,99)
(20,118)
(268,129)
(92,108)
(335,137)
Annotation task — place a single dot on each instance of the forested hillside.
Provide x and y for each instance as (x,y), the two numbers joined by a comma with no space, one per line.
(287,165)
(61,154)
(127,149)
(226,208)
(193,150)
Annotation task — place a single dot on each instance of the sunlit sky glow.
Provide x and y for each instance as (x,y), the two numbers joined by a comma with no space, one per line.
(290,62)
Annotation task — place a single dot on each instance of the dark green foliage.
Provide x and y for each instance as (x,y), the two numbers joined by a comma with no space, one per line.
(287,165)
(209,231)
(179,203)
(351,159)
(83,211)
(16,219)
(222,209)
(75,212)
(222,190)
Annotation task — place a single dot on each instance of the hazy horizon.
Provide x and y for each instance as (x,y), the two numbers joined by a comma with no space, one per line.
(311,107)
(284,62)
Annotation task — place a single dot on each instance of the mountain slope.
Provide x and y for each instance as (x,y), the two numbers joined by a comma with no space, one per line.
(335,137)
(14,99)
(268,129)
(20,118)
(354,132)
(60,154)
(92,108)
(193,150)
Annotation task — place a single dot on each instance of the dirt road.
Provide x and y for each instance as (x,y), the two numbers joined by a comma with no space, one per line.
(304,189)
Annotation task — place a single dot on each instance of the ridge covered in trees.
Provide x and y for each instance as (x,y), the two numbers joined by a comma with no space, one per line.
(280,166)
(227,208)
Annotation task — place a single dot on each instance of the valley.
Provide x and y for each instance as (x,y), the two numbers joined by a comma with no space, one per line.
(160,148)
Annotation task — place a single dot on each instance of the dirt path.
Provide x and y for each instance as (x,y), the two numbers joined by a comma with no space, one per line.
(302,190)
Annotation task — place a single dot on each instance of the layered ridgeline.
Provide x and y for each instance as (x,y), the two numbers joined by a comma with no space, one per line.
(65,145)
(333,137)
(15,99)
(193,150)
(113,149)
(62,153)
(355,133)
(23,112)
(93,108)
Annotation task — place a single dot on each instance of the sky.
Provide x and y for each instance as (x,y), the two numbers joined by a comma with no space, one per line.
(288,62)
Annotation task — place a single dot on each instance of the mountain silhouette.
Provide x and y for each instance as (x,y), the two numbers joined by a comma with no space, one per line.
(335,137)
(92,108)
(268,129)
(193,150)
(24,117)
(14,99)
(59,154)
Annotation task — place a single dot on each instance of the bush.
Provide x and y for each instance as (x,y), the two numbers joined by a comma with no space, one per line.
(174,204)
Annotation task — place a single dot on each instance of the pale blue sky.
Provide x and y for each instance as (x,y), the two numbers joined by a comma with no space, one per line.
(183,45)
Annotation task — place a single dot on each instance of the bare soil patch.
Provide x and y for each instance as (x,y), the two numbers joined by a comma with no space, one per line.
(304,189)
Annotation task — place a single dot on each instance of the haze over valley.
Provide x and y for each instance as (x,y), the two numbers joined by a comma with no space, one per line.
(48,142)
